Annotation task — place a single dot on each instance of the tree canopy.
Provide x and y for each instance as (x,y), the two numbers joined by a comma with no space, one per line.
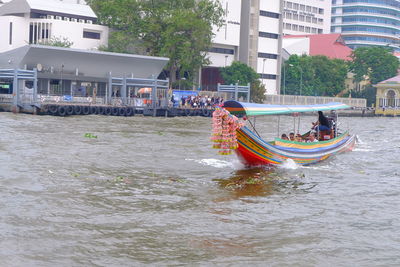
(377,63)
(313,75)
(181,30)
(242,74)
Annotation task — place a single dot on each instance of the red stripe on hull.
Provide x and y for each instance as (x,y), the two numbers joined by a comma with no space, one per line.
(249,158)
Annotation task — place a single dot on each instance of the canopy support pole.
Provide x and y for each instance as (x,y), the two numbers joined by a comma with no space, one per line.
(279,121)
(253,126)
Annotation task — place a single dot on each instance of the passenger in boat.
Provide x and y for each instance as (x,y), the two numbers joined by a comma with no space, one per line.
(311,138)
(299,138)
(322,124)
(291,137)
(284,137)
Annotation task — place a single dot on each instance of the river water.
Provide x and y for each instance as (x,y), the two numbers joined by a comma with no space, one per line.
(113,191)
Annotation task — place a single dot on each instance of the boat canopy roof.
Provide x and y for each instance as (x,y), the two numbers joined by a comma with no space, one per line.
(251,109)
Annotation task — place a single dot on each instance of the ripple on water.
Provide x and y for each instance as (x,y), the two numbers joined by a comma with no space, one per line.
(152,191)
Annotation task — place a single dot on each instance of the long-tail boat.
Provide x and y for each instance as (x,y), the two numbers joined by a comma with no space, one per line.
(232,134)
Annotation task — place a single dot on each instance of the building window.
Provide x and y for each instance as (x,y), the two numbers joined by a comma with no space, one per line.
(288,15)
(222,51)
(301,28)
(295,16)
(295,6)
(295,27)
(267,76)
(308,30)
(308,8)
(321,11)
(289,4)
(308,18)
(301,17)
(288,26)
(266,55)
(91,35)
(320,31)
(269,14)
(10,37)
(268,35)
(302,7)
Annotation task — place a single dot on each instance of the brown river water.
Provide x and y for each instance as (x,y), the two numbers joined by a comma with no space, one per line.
(116,191)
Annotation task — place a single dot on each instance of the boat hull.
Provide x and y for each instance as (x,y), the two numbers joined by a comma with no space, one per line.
(253,151)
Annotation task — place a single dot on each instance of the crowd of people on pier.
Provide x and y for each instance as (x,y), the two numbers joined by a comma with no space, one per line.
(199,101)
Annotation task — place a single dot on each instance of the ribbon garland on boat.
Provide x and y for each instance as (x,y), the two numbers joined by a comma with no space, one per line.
(224,131)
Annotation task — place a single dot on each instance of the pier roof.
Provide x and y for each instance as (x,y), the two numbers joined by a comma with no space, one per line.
(81,63)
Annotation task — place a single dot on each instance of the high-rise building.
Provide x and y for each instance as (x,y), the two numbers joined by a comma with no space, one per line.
(306,17)
(252,34)
(367,22)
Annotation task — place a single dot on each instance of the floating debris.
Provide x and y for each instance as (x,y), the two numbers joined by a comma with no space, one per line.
(90,135)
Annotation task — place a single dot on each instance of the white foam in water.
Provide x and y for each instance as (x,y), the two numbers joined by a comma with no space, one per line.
(214,163)
(289,164)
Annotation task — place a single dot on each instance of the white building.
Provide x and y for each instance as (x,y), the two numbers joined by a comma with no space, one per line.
(252,34)
(306,16)
(77,71)
(38,21)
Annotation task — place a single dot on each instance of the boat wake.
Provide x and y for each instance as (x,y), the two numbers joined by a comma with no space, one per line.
(289,164)
(216,163)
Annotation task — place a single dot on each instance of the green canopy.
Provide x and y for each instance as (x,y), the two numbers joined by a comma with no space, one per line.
(252,109)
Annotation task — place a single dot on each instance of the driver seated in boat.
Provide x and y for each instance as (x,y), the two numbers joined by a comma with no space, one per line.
(322,124)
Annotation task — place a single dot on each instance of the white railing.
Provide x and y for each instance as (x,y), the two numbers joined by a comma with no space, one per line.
(312,100)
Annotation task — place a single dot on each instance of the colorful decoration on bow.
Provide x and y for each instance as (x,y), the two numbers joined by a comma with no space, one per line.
(224,131)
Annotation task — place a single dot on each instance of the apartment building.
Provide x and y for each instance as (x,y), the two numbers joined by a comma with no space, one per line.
(367,22)
(306,17)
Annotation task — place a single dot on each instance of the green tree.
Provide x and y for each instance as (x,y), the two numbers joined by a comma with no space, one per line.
(313,75)
(243,74)
(57,41)
(377,63)
(181,30)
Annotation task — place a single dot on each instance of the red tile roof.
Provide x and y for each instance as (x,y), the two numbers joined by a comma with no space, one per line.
(330,45)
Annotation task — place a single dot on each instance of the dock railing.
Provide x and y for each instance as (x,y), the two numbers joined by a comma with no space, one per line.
(312,100)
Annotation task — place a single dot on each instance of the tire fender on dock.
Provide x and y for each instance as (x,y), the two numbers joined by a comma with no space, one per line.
(205,112)
(92,109)
(115,111)
(77,110)
(69,110)
(61,111)
(122,112)
(107,111)
(188,112)
(53,109)
(130,112)
(100,110)
(85,110)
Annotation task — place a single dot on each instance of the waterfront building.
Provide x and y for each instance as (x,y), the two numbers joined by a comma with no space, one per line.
(252,34)
(388,97)
(366,22)
(306,17)
(40,21)
(81,70)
